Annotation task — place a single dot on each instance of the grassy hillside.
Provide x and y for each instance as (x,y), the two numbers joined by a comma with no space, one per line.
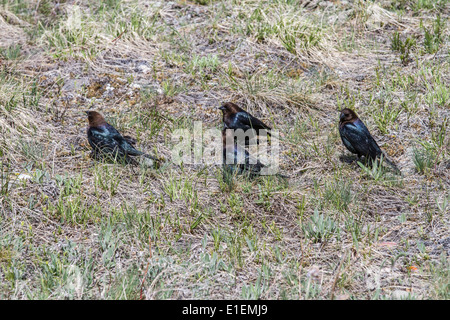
(73,227)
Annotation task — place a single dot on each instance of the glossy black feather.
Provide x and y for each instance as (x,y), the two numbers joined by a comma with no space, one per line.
(245,121)
(357,138)
(105,140)
(236,118)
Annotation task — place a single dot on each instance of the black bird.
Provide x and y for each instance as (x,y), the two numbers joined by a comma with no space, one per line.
(236,159)
(105,140)
(236,118)
(357,138)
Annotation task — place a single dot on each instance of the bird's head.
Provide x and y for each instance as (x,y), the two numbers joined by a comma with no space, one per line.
(229,107)
(95,119)
(347,115)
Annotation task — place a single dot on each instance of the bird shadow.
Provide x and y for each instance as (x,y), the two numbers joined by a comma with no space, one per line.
(350,159)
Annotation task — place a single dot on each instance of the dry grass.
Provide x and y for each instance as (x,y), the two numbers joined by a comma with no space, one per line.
(71,227)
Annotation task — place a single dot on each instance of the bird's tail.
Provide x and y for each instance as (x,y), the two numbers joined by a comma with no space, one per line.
(143,159)
(149,161)
(392,164)
(150,157)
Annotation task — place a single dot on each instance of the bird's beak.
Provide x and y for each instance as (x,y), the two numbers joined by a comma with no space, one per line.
(341,117)
(221,108)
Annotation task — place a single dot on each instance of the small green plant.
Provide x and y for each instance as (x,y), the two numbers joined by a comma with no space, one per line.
(40,176)
(11,104)
(440,274)
(374,169)
(226,178)
(31,150)
(424,157)
(442,206)
(404,47)
(236,203)
(433,35)
(4,178)
(442,95)
(203,2)
(339,194)
(208,63)
(254,291)
(320,227)
(106,178)
(385,114)
(438,136)
(289,42)
(170,89)
(11,52)
(179,188)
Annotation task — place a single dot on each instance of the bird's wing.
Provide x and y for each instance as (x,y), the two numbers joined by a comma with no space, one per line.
(251,121)
(361,140)
(130,140)
(346,142)
(102,139)
(374,149)
(124,144)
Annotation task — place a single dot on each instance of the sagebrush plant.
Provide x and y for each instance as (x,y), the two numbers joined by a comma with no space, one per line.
(72,227)
(320,228)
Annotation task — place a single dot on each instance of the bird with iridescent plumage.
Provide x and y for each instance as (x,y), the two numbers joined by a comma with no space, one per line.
(357,138)
(107,142)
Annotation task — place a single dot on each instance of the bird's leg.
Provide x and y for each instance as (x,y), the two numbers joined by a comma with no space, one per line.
(359,158)
(94,155)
